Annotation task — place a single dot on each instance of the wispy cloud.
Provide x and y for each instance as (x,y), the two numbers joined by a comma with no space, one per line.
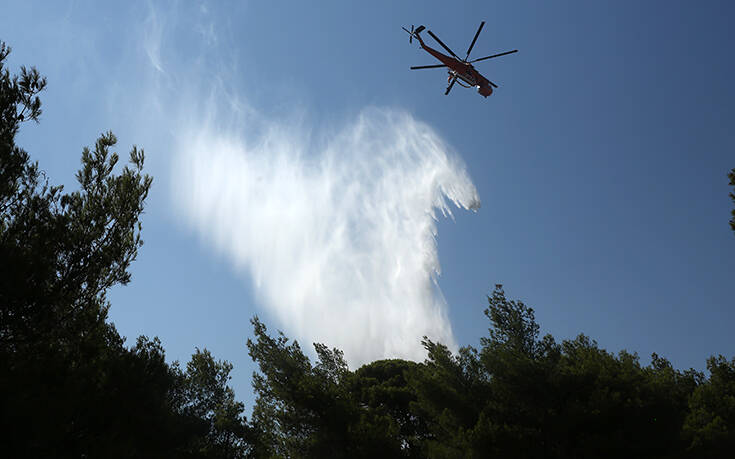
(153,32)
(338,238)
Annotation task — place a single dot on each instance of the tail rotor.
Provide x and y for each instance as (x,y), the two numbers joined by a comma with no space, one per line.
(410,33)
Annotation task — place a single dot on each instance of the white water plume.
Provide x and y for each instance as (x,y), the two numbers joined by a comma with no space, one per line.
(339,239)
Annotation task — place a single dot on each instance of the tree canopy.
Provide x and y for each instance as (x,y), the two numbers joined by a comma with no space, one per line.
(518,395)
(69,386)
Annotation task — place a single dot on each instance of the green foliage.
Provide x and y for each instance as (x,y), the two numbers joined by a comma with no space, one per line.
(710,424)
(382,388)
(517,396)
(68,385)
(322,410)
(521,396)
(514,325)
(62,252)
(205,395)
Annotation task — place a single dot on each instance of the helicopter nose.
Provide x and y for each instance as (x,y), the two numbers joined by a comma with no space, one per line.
(485,90)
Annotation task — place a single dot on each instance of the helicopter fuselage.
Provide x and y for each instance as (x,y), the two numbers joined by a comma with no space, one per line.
(462,70)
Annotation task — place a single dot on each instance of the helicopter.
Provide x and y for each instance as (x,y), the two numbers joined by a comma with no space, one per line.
(459,69)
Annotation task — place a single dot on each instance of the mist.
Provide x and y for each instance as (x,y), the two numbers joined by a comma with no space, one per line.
(332,224)
(338,234)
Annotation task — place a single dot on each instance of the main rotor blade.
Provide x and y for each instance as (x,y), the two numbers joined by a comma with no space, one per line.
(416,67)
(493,84)
(441,43)
(449,88)
(494,55)
(474,40)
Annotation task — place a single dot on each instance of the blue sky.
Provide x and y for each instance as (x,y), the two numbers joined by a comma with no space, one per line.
(600,162)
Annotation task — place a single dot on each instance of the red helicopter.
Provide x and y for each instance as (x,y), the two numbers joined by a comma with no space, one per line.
(461,69)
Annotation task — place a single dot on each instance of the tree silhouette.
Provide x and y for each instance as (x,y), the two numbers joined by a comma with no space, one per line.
(68,385)
(519,395)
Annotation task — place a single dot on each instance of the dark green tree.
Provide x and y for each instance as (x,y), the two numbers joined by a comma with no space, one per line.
(65,384)
(710,424)
(205,395)
(305,410)
(521,396)
(451,392)
(383,389)
(61,252)
(68,385)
